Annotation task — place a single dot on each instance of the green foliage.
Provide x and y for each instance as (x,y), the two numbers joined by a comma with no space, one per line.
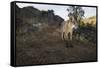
(86,33)
(81,24)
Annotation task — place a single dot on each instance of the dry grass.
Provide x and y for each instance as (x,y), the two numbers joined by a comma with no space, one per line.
(46,47)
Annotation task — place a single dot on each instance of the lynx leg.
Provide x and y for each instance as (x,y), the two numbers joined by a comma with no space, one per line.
(62,35)
(70,41)
(71,36)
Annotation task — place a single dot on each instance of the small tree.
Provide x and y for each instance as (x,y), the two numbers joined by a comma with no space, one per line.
(76,11)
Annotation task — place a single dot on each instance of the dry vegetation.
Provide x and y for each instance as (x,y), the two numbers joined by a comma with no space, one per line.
(46,47)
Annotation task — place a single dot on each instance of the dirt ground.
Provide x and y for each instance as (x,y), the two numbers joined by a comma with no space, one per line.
(48,47)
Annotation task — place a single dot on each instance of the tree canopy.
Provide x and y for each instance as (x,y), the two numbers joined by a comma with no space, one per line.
(76,11)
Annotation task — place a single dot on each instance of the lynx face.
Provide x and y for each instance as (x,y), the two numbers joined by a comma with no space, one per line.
(74,25)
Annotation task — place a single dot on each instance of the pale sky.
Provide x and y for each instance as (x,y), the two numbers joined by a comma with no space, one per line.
(59,9)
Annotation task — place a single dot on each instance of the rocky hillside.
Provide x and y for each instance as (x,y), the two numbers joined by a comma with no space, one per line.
(33,19)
